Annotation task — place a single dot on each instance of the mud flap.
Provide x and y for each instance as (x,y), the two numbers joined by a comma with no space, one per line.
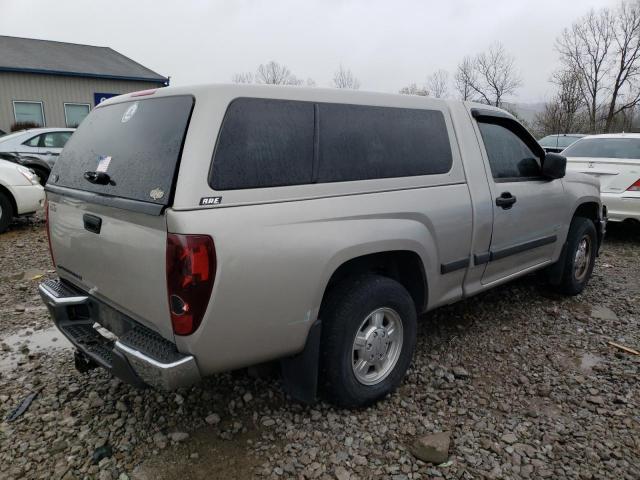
(300,372)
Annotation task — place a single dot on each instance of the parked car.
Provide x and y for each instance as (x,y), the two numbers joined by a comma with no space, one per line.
(216,227)
(36,148)
(557,143)
(615,160)
(20,193)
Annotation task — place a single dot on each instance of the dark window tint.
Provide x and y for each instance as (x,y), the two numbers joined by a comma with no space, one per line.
(137,144)
(605,148)
(264,143)
(361,142)
(509,156)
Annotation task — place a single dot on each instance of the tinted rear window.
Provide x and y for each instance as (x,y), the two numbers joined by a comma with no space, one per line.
(269,143)
(605,148)
(137,143)
(362,143)
(264,143)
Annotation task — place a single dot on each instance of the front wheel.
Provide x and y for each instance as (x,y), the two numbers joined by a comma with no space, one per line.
(368,338)
(580,257)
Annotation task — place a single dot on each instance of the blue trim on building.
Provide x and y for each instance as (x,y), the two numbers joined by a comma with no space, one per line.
(163,81)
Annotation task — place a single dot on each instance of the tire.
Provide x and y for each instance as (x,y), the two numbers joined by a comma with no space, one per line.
(42,173)
(6,212)
(370,306)
(576,273)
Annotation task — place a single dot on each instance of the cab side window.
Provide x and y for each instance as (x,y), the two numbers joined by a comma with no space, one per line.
(509,157)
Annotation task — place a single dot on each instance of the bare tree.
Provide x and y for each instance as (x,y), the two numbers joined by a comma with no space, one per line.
(242,78)
(584,50)
(625,93)
(488,77)
(414,89)
(438,84)
(496,74)
(344,78)
(464,77)
(273,73)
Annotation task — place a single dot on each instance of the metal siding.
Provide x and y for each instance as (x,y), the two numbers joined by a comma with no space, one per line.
(54,92)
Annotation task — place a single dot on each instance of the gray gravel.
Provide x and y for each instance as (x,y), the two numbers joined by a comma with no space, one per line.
(522,378)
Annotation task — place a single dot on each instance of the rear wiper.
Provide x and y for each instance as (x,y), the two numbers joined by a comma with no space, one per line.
(99,178)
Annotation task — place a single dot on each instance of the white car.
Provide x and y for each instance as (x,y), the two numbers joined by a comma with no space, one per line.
(20,192)
(615,160)
(36,148)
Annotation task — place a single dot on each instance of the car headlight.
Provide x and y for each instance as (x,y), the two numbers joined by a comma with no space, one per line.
(28,174)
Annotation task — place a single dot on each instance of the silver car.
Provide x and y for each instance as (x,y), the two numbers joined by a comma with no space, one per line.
(215,227)
(36,148)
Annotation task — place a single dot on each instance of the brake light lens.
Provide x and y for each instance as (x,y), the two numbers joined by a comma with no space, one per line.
(48,227)
(635,187)
(191,270)
(143,93)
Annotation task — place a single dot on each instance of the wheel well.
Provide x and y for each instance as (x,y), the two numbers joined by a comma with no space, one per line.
(404,266)
(590,210)
(14,205)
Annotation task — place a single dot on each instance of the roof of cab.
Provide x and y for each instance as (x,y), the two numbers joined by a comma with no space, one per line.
(285,92)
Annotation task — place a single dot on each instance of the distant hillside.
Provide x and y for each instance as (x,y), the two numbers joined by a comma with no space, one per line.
(527,111)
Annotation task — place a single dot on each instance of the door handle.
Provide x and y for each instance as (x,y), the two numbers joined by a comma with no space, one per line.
(505,200)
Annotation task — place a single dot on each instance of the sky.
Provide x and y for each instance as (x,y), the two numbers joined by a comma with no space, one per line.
(387,44)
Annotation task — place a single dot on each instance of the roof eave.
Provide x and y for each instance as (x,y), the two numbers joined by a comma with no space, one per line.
(37,71)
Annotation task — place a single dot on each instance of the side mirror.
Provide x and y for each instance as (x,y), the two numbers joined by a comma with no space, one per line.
(554,166)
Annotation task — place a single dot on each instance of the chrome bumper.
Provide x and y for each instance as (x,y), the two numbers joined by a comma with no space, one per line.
(139,356)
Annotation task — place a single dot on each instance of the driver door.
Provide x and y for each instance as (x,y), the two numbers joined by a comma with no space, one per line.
(528,209)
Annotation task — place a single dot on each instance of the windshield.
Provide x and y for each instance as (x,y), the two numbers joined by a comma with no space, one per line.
(561,141)
(605,148)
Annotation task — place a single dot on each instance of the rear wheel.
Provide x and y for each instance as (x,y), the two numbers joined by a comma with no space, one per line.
(368,338)
(582,246)
(6,212)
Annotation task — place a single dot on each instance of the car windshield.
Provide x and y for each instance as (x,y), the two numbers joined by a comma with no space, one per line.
(561,141)
(605,148)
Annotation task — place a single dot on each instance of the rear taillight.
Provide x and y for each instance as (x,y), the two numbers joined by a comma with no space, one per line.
(191,270)
(635,187)
(48,227)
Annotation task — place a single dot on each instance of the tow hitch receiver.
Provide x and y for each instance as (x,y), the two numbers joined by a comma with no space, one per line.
(83,363)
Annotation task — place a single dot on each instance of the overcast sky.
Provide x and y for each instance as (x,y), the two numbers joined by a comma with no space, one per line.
(387,44)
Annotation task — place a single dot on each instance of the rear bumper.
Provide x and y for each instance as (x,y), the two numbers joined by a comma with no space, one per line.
(622,206)
(132,352)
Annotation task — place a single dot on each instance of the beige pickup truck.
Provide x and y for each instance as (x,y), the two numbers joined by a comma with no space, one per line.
(215,227)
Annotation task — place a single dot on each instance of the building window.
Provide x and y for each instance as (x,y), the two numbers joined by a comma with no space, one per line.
(29,112)
(74,113)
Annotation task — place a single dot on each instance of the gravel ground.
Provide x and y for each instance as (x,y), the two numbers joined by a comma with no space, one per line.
(522,378)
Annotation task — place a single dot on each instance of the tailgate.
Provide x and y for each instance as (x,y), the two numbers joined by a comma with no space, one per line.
(122,265)
(107,196)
